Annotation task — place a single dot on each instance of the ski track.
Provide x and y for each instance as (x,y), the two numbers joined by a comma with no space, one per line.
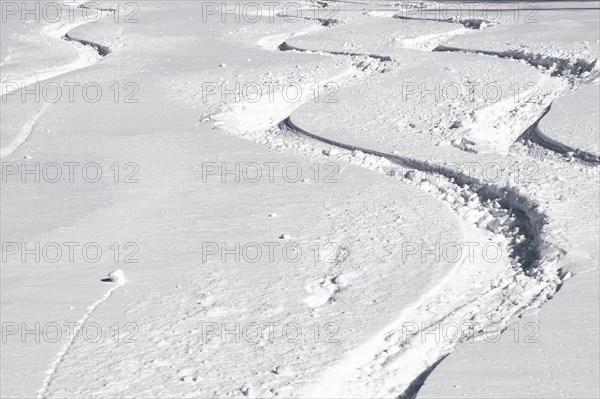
(510,119)
(24,133)
(470,23)
(84,61)
(287,47)
(55,365)
(27,129)
(534,135)
(102,50)
(556,65)
(536,272)
(537,137)
(62,33)
(534,275)
(579,72)
(406,364)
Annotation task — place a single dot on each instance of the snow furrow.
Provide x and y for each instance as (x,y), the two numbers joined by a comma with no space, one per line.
(534,135)
(363,373)
(63,32)
(580,69)
(470,23)
(402,180)
(83,62)
(393,365)
(510,120)
(85,59)
(530,223)
(527,280)
(532,278)
(383,58)
(54,367)
(102,50)
(325,22)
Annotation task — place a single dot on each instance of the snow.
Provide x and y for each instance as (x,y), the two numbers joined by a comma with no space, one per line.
(117,276)
(436,170)
(571,124)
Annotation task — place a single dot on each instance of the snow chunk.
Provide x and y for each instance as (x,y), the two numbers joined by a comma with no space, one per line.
(117,276)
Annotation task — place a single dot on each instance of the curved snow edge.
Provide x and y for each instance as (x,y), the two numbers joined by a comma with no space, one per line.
(535,135)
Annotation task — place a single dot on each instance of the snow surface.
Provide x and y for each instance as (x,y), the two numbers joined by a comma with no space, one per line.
(410,168)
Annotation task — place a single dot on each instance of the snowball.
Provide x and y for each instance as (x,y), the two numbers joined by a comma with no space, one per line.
(341,281)
(117,276)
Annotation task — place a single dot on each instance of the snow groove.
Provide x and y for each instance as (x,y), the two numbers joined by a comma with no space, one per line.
(54,367)
(287,47)
(581,69)
(62,32)
(102,50)
(370,370)
(325,22)
(470,23)
(20,139)
(529,222)
(536,136)
(389,364)
(92,6)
